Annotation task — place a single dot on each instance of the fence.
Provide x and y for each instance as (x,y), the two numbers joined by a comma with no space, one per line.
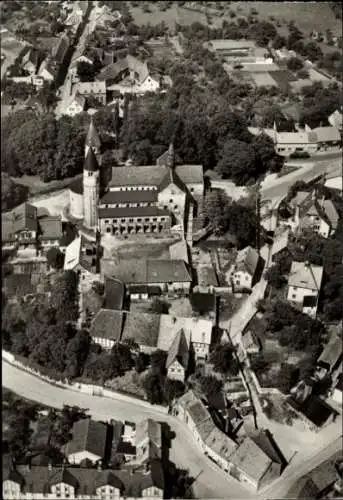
(90,389)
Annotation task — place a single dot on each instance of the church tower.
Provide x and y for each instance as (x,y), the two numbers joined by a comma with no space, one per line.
(91,189)
(93,140)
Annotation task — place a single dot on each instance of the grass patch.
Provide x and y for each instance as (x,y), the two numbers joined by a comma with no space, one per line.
(134,250)
(286,169)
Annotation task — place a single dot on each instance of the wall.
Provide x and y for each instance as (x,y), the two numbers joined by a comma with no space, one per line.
(76,205)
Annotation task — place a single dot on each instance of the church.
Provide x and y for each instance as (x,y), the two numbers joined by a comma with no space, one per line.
(161,198)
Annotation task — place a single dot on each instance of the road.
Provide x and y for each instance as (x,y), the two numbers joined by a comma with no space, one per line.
(211,483)
(279,187)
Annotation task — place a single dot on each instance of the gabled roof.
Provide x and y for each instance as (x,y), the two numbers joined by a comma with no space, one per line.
(332,352)
(171,177)
(136,196)
(50,227)
(331,213)
(113,71)
(61,50)
(150,430)
(73,254)
(63,476)
(247,260)
(153,175)
(93,88)
(91,163)
(93,139)
(122,212)
(178,350)
(107,324)
(88,435)
(21,218)
(167,271)
(198,412)
(335,119)
(296,137)
(265,442)
(167,159)
(303,275)
(220,443)
(143,328)
(79,99)
(197,330)
(251,460)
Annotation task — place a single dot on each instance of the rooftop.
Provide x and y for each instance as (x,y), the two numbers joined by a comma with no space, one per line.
(107,324)
(125,212)
(178,350)
(327,134)
(250,459)
(199,330)
(247,260)
(50,227)
(114,294)
(220,443)
(85,88)
(154,175)
(332,352)
(88,435)
(167,271)
(129,63)
(198,412)
(222,44)
(303,275)
(142,328)
(135,196)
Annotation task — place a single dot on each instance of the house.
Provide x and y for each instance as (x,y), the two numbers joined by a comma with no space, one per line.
(80,256)
(247,269)
(219,447)
(128,75)
(327,137)
(319,215)
(178,357)
(77,104)
(331,357)
(114,294)
(88,442)
(20,227)
(83,483)
(32,60)
(59,52)
(92,89)
(47,70)
(207,279)
(304,284)
(233,49)
(171,276)
(313,410)
(106,328)
(148,440)
(50,232)
(335,119)
(287,143)
(197,329)
(252,466)
(142,328)
(196,416)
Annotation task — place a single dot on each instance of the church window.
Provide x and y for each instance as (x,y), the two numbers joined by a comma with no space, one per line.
(170,201)
(90,174)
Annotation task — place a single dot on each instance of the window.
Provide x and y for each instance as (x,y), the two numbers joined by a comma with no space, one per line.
(122,220)
(175,207)
(130,220)
(107,221)
(170,201)
(294,296)
(108,230)
(154,219)
(192,189)
(90,174)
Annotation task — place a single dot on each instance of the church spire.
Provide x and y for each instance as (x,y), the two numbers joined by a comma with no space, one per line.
(92,139)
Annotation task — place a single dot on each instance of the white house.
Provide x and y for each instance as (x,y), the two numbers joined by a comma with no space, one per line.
(88,442)
(220,447)
(47,70)
(247,269)
(178,357)
(321,216)
(304,284)
(106,327)
(76,105)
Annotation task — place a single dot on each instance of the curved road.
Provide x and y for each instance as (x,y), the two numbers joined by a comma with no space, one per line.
(211,483)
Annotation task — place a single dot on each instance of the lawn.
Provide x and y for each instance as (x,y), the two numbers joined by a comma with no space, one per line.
(134,250)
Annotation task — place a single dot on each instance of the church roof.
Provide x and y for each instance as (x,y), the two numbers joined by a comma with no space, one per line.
(93,138)
(91,163)
(171,177)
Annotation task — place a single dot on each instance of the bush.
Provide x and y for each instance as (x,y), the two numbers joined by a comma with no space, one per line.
(300,154)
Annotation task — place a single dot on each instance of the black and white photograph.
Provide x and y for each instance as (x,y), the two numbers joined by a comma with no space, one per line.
(172,250)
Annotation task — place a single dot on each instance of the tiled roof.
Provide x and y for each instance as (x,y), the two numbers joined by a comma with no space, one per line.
(88,435)
(247,260)
(21,218)
(124,212)
(113,71)
(324,475)
(207,276)
(154,175)
(143,328)
(107,324)
(61,50)
(79,99)
(220,443)
(332,352)
(167,271)
(114,294)
(327,134)
(151,430)
(304,275)
(296,137)
(223,44)
(179,350)
(76,186)
(91,163)
(205,428)
(335,119)
(331,213)
(129,197)
(196,329)
(179,251)
(171,177)
(198,412)
(131,482)
(265,442)
(187,399)
(251,460)
(50,227)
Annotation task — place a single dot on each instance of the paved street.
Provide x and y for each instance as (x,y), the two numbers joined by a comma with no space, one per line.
(212,482)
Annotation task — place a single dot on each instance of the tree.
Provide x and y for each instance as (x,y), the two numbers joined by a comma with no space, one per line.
(141,362)
(242,223)
(267,158)
(215,209)
(121,358)
(263,32)
(172,389)
(86,71)
(275,277)
(159,306)
(312,51)
(77,352)
(294,64)
(223,359)
(153,385)
(237,162)
(286,378)
(12,194)
(158,361)
(210,385)
(55,258)
(279,42)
